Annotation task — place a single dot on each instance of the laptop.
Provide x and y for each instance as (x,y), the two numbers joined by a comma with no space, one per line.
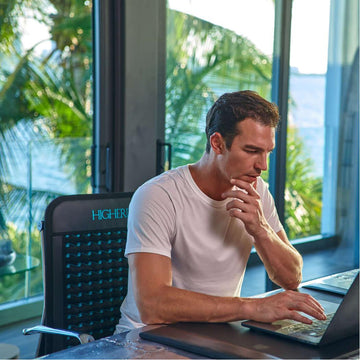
(342,322)
(337,283)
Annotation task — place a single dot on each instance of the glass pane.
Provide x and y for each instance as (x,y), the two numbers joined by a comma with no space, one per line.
(212,47)
(45,124)
(306,120)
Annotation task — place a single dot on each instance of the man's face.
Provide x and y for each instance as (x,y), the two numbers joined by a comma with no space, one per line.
(247,157)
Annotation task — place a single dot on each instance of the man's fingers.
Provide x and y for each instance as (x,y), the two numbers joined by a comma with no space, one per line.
(306,304)
(236,204)
(294,315)
(245,191)
(237,194)
(249,188)
(294,306)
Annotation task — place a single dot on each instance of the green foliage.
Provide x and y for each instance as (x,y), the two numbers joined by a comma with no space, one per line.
(303,192)
(52,89)
(13,103)
(204,60)
(49,95)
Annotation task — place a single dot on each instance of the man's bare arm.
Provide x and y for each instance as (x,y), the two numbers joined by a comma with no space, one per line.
(282,261)
(161,303)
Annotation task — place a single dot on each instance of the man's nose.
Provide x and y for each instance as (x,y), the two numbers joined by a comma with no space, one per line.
(261,163)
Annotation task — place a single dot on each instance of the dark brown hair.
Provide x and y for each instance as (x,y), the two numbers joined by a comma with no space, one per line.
(234,107)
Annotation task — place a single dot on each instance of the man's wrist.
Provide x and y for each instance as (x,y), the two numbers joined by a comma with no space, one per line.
(247,308)
(263,234)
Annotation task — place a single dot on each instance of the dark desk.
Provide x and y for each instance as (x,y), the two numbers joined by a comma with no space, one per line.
(229,340)
(253,345)
(234,341)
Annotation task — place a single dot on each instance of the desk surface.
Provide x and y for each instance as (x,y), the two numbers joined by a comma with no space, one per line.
(230,339)
(130,346)
(126,345)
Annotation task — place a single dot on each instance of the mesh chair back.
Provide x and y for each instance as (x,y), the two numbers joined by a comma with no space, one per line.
(85,271)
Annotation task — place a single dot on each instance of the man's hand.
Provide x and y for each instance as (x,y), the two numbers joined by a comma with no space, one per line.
(287,305)
(282,262)
(246,206)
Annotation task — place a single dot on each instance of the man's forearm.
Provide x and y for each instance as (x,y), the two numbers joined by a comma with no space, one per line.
(178,305)
(282,261)
(158,301)
(171,304)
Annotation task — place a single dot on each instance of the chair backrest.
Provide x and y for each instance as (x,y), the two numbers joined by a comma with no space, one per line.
(85,271)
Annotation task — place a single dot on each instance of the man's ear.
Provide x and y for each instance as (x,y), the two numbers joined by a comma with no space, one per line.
(217,143)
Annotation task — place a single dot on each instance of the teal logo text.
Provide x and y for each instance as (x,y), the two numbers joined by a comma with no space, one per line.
(109,214)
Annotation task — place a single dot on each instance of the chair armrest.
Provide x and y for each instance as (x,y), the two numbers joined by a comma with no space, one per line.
(83,338)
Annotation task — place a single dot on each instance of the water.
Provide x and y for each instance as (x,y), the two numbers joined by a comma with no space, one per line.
(307,114)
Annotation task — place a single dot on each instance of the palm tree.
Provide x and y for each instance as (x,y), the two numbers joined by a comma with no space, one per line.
(210,60)
(43,97)
(50,93)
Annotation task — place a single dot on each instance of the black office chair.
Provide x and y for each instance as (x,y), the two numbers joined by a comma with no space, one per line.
(85,271)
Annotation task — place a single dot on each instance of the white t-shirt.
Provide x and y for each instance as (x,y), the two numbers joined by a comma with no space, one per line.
(169,215)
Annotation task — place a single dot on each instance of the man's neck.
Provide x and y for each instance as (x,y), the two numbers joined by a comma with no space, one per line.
(208,179)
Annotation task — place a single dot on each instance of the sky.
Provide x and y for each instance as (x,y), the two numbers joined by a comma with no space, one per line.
(254,19)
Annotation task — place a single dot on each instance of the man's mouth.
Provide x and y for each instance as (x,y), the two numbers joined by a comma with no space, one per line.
(253,176)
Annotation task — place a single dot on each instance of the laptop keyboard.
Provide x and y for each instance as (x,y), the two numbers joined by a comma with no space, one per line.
(316,329)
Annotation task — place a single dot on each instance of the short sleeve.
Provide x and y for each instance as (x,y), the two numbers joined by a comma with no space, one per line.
(151,221)
(268,204)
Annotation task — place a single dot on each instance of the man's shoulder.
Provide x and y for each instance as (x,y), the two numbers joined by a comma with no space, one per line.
(165,183)
(161,194)
(167,178)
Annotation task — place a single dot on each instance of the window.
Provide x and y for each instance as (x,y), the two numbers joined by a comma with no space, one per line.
(212,47)
(45,124)
(208,53)
(306,118)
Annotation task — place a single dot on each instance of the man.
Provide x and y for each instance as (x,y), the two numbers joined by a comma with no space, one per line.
(191,229)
